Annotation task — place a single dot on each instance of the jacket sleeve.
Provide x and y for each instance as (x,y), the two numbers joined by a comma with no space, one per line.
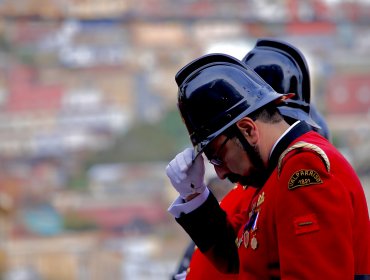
(209,228)
(313,220)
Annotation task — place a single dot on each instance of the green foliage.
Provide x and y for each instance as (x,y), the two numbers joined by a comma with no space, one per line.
(147,142)
(78,181)
(27,56)
(5,46)
(73,221)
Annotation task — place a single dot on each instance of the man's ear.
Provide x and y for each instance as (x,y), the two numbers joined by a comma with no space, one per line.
(249,129)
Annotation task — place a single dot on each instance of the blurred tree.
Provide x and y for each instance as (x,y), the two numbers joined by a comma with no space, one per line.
(5,46)
(147,142)
(73,222)
(144,142)
(78,181)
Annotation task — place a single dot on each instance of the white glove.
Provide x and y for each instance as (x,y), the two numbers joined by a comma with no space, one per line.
(181,276)
(187,177)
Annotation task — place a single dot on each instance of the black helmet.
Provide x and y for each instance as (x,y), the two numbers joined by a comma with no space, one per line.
(215,91)
(284,67)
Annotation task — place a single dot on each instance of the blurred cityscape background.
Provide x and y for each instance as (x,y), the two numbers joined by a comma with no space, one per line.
(88,119)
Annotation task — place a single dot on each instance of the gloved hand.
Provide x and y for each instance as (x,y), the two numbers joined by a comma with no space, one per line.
(187,177)
(180,276)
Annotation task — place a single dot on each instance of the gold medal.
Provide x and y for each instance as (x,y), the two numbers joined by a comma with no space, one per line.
(254,243)
(246,239)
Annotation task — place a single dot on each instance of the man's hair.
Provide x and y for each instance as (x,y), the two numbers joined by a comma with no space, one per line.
(267,114)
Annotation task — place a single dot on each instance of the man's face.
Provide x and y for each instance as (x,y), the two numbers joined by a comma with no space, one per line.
(231,161)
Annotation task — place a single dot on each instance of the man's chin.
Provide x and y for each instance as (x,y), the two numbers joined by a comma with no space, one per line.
(233,178)
(244,181)
(255,181)
(248,182)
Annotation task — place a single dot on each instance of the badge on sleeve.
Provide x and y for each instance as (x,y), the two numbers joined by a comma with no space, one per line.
(304,177)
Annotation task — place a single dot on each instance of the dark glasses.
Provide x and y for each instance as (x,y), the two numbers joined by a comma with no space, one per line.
(215,159)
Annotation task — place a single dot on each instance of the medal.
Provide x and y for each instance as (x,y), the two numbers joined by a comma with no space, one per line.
(254,243)
(251,226)
(261,199)
(238,241)
(246,239)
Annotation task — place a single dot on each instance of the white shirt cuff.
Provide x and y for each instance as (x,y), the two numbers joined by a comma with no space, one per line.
(179,206)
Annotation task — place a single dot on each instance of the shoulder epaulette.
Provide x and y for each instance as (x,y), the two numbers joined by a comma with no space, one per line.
(306,146)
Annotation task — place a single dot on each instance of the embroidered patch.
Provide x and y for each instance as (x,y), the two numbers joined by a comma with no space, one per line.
(306,224)
(303,178)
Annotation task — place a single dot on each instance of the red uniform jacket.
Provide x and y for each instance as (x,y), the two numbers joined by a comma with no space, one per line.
(309,221)
(235,204)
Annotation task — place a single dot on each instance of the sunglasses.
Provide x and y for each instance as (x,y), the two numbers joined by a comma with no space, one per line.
(215,159)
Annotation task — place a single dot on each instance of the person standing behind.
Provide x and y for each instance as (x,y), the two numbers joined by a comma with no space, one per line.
(284,68)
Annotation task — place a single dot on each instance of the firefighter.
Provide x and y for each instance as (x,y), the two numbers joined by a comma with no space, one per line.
(308,217)
(283,67)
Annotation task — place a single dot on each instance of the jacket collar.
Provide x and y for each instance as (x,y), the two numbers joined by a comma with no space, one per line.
(284,142)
